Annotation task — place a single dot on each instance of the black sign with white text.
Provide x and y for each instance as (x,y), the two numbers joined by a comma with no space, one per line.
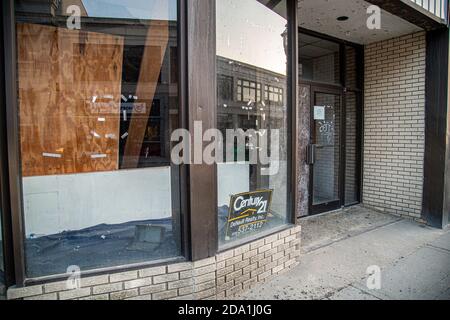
(248,212)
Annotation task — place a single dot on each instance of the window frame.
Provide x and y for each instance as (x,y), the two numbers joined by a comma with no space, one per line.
(293,129)
(15,263)
(343,88)
(194,180)
(5,218)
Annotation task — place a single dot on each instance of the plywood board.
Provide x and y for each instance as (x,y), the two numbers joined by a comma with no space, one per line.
(69,100)
(155,49)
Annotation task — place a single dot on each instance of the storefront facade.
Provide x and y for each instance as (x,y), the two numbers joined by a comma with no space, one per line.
(94,205)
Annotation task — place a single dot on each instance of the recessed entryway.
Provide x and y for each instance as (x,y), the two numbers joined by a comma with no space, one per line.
(330,103)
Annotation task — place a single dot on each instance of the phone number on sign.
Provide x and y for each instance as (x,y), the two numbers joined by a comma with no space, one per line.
(251,227)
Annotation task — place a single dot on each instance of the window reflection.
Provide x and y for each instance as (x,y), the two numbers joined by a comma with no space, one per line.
(248,91)
(273,94)
(97,107)
(251,59)
(225,88)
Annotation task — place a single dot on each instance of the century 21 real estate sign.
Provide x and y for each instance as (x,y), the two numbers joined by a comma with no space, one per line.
(248,212)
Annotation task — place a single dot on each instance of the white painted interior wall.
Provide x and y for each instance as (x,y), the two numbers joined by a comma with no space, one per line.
(53,204)
(232,178)
(278,183)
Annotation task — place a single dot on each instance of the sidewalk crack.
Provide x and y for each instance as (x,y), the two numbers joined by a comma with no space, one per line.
(436,247)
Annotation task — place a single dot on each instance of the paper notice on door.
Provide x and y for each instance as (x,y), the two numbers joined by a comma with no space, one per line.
(319,113)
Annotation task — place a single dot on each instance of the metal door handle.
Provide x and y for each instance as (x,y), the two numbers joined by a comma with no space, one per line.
(311,154)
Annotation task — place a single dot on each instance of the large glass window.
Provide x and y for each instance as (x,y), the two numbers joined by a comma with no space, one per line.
(2,259)
(352,128)
(251,48)
(319,60)
(98,100)
(351,151)
(352,72)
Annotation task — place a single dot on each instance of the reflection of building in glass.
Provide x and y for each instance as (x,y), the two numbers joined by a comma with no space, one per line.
(249,97)
(252,98)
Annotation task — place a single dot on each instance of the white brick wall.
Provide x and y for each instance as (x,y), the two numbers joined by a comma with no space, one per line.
(394,124)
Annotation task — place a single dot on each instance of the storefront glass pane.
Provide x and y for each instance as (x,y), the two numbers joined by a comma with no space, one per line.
(319,60)
(2,261)
(351,150)
(352,72)
(352,166)
(326,138)
(252,117)
(98,101)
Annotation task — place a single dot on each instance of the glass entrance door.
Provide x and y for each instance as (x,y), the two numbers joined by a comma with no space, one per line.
(325,150)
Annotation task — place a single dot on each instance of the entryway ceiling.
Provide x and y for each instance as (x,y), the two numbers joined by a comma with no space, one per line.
(321,16)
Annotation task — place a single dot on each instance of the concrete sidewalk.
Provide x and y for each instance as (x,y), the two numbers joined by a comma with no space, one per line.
(414,262)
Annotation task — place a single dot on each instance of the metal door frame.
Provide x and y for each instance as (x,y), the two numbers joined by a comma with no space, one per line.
(334,205)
